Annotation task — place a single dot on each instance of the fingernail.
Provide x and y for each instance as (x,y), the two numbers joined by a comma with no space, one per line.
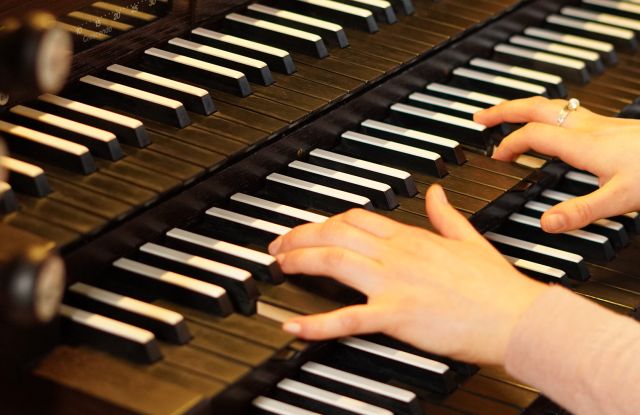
(274,246)
(292,327)
(554,222)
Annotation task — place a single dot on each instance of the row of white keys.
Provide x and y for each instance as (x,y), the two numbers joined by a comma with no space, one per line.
(619,37)
(26,177)
(277,212)
(605,49)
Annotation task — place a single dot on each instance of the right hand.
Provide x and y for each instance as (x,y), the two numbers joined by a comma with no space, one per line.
(606,147)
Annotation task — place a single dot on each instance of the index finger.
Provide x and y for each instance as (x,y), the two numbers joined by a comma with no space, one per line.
(535,109)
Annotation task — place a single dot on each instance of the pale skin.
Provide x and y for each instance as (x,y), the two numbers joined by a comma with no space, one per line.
(420,288)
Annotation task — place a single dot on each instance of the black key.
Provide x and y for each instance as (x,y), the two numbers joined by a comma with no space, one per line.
(470,96)
(470,132)
(25,177)
(606,50)
(8,200)
(279,60)
(40,146)
(331,33)
(311,195)
(621,38)
(193,98)
(588,244)
(604,18)
(165,324)
(590,58)
(237,282)
(578,183)
(502,86)
(317,399)
(262,266)
(615,231)
(141,278)
(255,70)
(398,400)
(273,33)
(132,100)
(538,271)
(128,130)
(406,6)
(272,211)
(630,111)
(553,83)
(109,335)
(241,228)
(573,264)
(392,153)
(400,181)
(380,194)
(387,363)
(334,11)
(197,71)
(101,143)
(382,10)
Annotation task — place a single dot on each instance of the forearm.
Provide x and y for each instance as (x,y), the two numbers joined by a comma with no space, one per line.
(581,355)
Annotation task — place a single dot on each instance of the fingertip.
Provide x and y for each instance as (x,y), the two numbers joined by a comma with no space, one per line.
(274,247)
(293,327)
(553,222)
(436,193)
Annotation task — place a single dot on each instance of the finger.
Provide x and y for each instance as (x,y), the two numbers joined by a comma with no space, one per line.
(333,232)
(446,219)
(373,223)
(358,319)
(569,145)
(579,212)
(348,267)
(535,109)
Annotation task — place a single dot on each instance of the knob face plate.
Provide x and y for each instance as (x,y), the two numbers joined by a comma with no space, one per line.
(49,289)
(53,60)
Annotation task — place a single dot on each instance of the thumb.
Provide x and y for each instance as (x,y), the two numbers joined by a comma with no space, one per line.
(357,319)
(446,219)
(581,211)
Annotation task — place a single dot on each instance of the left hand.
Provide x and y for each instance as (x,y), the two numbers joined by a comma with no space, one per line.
(453,294)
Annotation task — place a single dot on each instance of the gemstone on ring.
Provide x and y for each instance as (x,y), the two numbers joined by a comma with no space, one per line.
(571,106)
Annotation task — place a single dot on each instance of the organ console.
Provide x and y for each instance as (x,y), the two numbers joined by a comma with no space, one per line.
(192,133)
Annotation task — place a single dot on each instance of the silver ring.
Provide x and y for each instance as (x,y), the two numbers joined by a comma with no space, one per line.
(571,106)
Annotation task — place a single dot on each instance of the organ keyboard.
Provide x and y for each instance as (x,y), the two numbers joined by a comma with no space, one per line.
(163,174)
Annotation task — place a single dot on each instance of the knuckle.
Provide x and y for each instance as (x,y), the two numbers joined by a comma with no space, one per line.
(349,323)
(353,215)
(583,211)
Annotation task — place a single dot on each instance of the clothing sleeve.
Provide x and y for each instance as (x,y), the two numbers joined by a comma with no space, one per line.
(584,357)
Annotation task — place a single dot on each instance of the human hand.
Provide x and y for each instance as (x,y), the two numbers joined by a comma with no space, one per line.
(452,294)
(606,147)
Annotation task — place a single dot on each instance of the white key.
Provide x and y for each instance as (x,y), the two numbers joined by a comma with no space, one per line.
(435,116)
(533,247)
(338,175)
(319,189)
(285,14)
(219,53)
(197,262)
(191,284)
(340,7)
(598,28)
(360,382)
(234,40)
(413,134)
(274,27)
(279,208)
(195,63)
(20,167)
(543,207)
(573,40)
(555,48)
(396,355)
(540,56)
(464,93)
(605,18)
(330,398)
(132,92)
(583,178)
(44,139)
(279,408)
(127,303)
(107,325)
(159,80)
(624,6)
(445,103)
(500,80)
(517,71)
(80,107)
(535,222)
(248,221)
(552,273)
(275,313)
